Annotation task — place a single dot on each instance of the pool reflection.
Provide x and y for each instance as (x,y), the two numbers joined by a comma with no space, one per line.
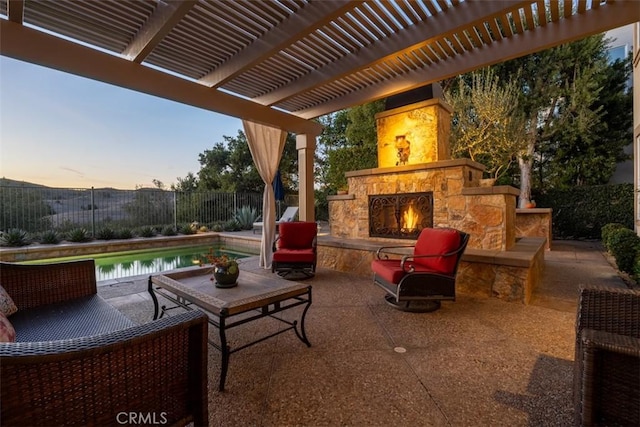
(152,262)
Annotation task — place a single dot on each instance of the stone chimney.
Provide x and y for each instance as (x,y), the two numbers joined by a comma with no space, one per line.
(414,128)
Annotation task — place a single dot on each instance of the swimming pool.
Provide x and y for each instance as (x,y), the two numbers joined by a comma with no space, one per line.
(117,265)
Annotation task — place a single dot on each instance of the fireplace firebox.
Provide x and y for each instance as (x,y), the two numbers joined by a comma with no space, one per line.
(400,216)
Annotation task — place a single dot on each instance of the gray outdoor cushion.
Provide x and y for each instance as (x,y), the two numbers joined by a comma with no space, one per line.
(76,318)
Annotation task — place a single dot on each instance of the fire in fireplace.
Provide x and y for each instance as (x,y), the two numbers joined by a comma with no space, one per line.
(400,216)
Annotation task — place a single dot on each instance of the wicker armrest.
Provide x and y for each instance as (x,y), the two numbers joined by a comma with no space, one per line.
(158,369)
(610,377)
(41,284)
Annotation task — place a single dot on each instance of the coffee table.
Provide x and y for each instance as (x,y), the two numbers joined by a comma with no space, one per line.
(255,297)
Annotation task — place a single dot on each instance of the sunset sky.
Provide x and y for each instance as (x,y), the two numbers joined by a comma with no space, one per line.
(60,130)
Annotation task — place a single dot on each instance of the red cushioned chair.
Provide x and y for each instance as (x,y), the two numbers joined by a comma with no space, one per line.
(418,282)
(294,251)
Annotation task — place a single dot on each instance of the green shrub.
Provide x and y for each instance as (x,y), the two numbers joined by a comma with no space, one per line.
(14,237)
(625,244)
(636,268)
(106,233)
(581,212)
(125,234)
(245,217)
(78,235)
(217,227)
(606,233)
(169,230)
(146,231)
(50,237)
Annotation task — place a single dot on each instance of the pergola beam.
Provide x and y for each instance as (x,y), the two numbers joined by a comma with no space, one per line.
(553,34)
(166,16)
(436,26)
(15,11)
(36,47)
(313,16)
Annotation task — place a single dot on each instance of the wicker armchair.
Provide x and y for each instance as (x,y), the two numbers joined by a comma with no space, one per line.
(607,359)
(154,373)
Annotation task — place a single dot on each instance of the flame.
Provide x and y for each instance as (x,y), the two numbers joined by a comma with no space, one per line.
(410,218)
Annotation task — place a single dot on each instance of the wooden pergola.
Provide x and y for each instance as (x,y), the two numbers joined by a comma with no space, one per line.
(286,62)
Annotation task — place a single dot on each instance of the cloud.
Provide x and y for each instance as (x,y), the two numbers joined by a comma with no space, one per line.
(75,171)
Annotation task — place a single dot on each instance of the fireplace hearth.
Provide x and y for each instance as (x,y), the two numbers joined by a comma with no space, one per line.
(400,216)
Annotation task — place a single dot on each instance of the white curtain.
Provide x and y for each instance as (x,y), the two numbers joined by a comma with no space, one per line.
(266,145)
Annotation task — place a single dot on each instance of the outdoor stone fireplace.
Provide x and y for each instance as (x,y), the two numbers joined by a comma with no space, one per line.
(414,161)
(400,216)
(415,172)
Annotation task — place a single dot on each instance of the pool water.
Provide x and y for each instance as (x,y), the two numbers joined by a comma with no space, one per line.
(117,265)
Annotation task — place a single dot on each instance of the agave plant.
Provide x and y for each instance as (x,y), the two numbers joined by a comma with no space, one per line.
(125,233)
(146,231)
(14,237)
(50,237)
(169,230)
(187,229)
(106,233)
(245,217)
(231,225)
(78,235)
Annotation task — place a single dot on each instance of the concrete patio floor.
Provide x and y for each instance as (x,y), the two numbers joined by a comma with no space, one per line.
(476,361)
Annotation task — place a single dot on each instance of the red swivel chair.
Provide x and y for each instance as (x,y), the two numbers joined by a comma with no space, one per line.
(294,251)
(418,282)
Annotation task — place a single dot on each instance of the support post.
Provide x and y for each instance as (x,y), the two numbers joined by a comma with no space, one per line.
(306,146)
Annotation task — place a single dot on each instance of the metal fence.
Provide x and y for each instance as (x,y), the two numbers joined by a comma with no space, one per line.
(38,209)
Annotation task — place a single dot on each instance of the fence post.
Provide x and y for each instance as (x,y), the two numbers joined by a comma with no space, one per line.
(93,216)
(175,210)
(235,203)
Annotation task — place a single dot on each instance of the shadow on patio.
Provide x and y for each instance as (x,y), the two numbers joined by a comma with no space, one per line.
(476,361)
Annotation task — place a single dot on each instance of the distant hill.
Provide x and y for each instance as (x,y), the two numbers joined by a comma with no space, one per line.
(14,183)
(24,184)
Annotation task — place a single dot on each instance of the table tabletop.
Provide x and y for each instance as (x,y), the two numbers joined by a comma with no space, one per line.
(253,290)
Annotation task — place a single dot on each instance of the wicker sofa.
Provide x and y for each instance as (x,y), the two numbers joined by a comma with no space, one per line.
(79,361)
(607,359)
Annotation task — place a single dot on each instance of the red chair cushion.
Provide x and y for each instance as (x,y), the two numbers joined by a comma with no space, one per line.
(297,235)
(434,241)
(294,255)
(389,269)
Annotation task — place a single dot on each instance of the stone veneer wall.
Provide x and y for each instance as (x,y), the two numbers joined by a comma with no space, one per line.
(535,222)
(509,276)
(487,213)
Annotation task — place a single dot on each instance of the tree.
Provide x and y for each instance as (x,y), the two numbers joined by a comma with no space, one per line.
(487,124)
(587,152)
(359,150)
(333,136)
(559,90)
(187,184)
(229,167)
